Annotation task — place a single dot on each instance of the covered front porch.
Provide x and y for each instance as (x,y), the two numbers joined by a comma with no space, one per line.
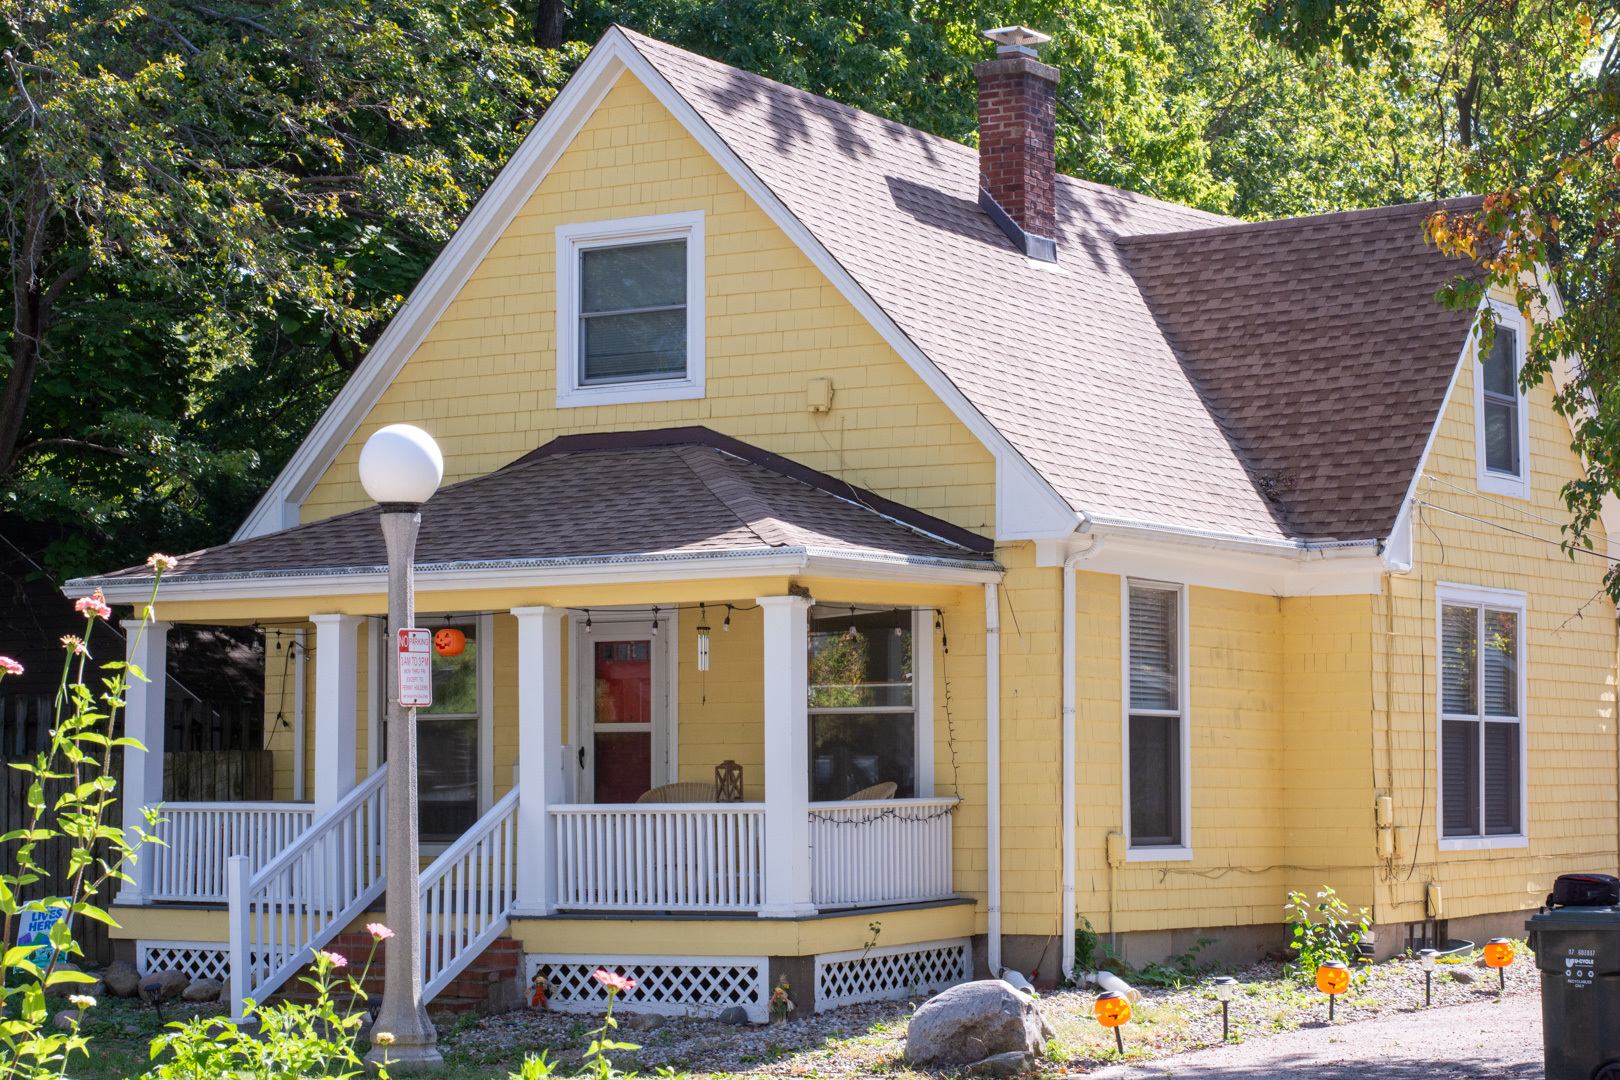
(749,724)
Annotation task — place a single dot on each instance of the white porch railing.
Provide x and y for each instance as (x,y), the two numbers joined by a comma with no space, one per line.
(660,856)
(467,896)
(880,851)
(199,837)
(308,893)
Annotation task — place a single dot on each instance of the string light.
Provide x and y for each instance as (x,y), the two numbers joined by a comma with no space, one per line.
(587,620)
(655,622)
(725,627)
(852,631)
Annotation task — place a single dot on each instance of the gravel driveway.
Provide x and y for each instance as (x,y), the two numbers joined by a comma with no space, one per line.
(1458,1042)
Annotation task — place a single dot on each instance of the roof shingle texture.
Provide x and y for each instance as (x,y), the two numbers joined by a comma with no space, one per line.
(594,504)
(1071,364)
(1318,343)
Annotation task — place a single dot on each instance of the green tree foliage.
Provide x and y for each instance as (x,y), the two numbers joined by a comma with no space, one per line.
(211,209)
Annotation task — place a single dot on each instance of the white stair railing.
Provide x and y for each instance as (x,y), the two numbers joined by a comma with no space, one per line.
(306,895)
(198,838)
(467,896)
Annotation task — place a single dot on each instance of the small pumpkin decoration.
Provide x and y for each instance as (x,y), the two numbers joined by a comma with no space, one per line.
(449,642)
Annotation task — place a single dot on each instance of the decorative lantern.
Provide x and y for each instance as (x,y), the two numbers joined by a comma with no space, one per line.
(1112,1009)
(1498,955)
(1428,961)
(449,642)
(728,780)
(703,638)
(1225,990)
(1333,979)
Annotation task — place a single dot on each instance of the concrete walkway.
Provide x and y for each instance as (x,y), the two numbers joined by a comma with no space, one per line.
(1488,1039)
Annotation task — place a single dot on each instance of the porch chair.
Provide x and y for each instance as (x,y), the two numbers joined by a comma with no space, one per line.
(884,790)
(679,793)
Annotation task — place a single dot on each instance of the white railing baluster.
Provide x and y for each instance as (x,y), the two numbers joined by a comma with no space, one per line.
(880,851)
(467,897)
(200,838)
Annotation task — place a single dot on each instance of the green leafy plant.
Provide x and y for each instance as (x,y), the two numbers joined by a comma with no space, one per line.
(283,1042)
(1325,930)
(1181,970)
(69,800)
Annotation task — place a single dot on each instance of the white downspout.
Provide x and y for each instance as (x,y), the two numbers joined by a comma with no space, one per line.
(1069,748)
(992,769)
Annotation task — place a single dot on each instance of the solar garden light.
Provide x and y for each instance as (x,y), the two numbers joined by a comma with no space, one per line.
(1428,959)
(1333,979)
(1498,955)
(1225,988)
(400,467)
(1112,1009)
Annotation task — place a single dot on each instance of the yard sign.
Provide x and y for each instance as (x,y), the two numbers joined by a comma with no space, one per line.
(35,929)
(416,668)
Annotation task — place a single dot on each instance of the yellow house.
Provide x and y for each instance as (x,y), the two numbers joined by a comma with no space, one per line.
(871,560)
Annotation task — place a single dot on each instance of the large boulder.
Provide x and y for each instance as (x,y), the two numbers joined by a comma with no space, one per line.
(121,979)
(974,1021)
(170,983)
(202,990)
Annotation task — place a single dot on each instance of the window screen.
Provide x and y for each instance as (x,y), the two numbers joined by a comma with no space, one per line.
(1481,728)
(863,719)
(1154,735)
(632,312)
(1501,419)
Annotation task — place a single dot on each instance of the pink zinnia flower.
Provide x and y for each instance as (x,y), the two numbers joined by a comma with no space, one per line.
(379,931)
(10,666)
(93,604)
(163,563)
(337,960)
(74,645)
(622,983)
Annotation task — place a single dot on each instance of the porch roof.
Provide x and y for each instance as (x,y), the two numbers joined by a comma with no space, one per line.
(656,496)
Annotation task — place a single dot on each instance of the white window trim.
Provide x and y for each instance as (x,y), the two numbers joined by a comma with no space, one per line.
(609,623)
(1155,852)
(484,628)
(1503,599)
(571,240)
(1488,481)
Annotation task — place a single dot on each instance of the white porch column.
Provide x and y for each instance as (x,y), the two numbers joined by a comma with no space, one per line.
(147,648)
(337,655)
(787,758)
(539,769)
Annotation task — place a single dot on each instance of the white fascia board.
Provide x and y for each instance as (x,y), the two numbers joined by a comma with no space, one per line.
(1027,506)
(1398,554)
(1334,572)
(550,573)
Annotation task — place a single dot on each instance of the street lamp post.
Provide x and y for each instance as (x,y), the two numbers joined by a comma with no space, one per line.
(400,468)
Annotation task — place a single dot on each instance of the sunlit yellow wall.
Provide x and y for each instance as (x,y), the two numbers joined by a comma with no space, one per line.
(729,724)
(1568,644)
(484,384)
(280,705)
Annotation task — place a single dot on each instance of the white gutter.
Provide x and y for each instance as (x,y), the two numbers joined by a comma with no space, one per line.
(992,770)
(1214,538)
(539,573)
(1067,913)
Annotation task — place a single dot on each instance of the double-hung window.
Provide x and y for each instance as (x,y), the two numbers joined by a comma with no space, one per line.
(630,310)
(863,697)
(1481,718)
(1155,720)
(1501,423)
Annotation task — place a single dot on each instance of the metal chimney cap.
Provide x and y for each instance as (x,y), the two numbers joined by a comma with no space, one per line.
(1016,40)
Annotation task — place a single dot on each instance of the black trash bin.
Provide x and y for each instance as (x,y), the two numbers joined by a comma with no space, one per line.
(1577,951)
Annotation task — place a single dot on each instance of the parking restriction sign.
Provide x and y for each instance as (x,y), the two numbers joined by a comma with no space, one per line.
(415,668)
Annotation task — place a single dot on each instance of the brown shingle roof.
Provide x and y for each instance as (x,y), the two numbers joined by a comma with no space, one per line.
(1072,366)
(682,491)
(1319,344)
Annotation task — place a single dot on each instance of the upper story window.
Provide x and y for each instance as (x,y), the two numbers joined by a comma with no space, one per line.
(1156,721)
(1481,717)
(1502,430)
(630,310)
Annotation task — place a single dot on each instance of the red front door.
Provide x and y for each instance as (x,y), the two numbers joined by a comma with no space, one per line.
(623,748)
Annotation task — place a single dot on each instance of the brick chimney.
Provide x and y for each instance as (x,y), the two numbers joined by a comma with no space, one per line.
(1017,137)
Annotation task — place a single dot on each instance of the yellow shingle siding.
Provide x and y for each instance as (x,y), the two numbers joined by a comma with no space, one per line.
(484,380)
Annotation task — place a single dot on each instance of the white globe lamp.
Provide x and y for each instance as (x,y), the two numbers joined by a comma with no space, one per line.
(401,464)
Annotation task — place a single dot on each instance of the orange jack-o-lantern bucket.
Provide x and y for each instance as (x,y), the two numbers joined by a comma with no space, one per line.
(449,642)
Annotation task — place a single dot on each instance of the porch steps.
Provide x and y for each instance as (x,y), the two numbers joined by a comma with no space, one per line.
(469,992)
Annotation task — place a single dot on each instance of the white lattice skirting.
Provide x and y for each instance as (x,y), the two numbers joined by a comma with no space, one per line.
(671,985)
(890,971)
(198,959)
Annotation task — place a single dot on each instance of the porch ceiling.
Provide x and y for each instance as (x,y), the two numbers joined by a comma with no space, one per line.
(658,497)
